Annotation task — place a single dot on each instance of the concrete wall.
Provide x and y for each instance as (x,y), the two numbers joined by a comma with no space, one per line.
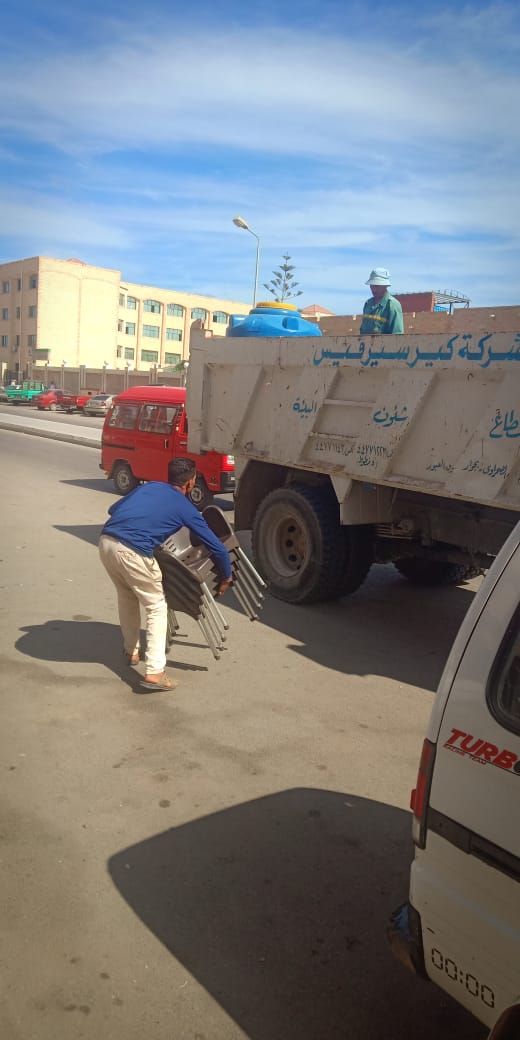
(467,319)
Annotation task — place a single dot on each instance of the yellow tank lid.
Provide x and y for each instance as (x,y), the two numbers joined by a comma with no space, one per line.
(274,305)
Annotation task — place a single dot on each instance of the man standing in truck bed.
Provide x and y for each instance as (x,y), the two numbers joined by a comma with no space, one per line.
(382,312)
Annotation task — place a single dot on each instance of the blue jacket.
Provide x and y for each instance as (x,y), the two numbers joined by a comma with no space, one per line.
(146,517)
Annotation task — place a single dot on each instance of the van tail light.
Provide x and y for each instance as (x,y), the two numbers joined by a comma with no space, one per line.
(420,796)
(228,463)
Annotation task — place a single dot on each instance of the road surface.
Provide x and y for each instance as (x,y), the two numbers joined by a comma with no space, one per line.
(218,863)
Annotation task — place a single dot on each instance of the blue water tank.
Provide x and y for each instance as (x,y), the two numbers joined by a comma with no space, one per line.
(272,319)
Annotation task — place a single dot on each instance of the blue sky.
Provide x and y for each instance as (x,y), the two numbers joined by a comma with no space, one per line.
(348,135)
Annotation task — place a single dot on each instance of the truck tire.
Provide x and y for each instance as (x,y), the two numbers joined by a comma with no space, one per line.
(201,496)
(124,479)
(300,547)
(359,557)
(434,572)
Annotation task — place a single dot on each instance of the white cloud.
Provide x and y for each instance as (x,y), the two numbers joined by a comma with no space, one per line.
(282,93)
(343,152)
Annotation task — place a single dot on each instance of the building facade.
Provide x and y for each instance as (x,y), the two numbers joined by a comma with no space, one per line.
(66,312)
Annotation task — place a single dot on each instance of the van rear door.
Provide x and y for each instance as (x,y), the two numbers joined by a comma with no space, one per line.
(465,882)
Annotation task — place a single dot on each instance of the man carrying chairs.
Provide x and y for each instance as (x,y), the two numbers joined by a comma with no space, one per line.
(137,526)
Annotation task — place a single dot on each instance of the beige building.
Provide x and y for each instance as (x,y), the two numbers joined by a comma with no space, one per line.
(65,312)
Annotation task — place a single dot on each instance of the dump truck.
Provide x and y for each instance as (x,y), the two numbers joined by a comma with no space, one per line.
(352,450)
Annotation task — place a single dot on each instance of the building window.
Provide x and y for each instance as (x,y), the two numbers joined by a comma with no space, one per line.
(130,328)
(5,313)
(220,318)
(131,303)
(121,300)
(129,353)
(17,312)
(33,281)
(152,331)
(5,287)
(199,312)
(5,341)
(152,306)
(120,326)
(174,310)
(175,334)
(19,284)
(33,311)
(17,341)
(31,341)
(172,359)
(150,355)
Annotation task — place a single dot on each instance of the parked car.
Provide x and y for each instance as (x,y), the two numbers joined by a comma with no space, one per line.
(56,399)
(4,398)
(84,397)
(97,405)
(145,427)
(461,925)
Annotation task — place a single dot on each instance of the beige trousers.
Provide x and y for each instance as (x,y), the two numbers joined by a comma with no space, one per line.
(138,582)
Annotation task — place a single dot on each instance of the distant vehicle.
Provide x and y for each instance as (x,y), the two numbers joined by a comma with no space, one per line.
(56,400)
(84,396)
(145,427)
(3,396)
(97,405)
(24,393)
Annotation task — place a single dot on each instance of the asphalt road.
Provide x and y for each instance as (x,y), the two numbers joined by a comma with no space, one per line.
(220,862)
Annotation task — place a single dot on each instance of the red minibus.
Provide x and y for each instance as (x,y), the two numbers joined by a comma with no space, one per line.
(145,428)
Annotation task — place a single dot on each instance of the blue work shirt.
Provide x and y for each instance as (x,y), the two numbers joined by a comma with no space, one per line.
(146,517)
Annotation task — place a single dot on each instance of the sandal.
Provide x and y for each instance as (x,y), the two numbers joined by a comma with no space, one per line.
(163,683)
(133,658)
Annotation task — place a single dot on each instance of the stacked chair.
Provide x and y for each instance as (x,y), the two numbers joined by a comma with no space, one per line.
(190,580)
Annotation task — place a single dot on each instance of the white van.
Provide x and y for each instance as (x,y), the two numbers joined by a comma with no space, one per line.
(461,926)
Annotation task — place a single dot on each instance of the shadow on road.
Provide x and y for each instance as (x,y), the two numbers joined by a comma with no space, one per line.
(86,641)
(388,627)
(87,532)
(278,907)
(93,484)
(103,484)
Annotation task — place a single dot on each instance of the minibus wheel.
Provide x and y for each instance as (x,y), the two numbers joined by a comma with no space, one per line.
(124,479)
(201,495)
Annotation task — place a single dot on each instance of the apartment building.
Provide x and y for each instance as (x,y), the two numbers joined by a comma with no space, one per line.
(65,312)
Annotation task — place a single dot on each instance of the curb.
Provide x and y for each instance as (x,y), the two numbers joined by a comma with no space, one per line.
(52,435)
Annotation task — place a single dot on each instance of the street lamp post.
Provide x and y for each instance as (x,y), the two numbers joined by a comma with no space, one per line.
(241,223)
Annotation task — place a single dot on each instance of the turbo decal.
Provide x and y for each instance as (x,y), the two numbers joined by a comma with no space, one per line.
(482,751)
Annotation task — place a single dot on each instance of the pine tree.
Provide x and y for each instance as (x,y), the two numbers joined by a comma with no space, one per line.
(282,285)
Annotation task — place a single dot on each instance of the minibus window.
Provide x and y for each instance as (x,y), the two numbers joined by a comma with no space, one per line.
(124,416)
(157,418)
(503,693)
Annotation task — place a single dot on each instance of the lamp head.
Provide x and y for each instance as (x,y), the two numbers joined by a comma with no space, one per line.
(240,222)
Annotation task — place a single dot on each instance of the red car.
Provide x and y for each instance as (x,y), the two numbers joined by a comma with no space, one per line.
(56,399)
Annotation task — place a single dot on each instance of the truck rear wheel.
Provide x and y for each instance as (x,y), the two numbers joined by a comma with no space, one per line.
(201,496)
(124,479)
(300,547)
(434,572)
